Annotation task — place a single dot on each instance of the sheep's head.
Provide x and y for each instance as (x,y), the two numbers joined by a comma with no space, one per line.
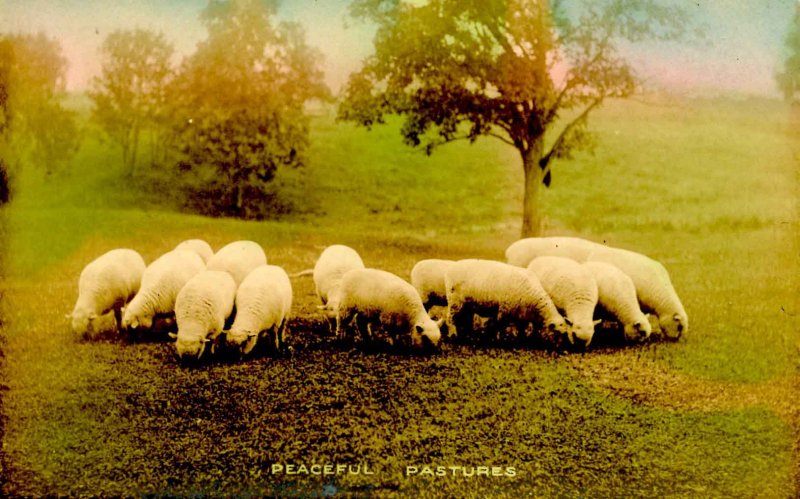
(559,328)
(190,349)
(426,334)
(81,321)
(134,321)
(242,341)
(583,331)
(638,331)
(674,325)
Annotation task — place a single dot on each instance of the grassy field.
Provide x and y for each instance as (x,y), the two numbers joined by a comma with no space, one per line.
(709,188)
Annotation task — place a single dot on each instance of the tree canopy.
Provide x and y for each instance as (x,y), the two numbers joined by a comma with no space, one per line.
(34,126)
(508,69)
(789,77)
(238,102)
(130,93)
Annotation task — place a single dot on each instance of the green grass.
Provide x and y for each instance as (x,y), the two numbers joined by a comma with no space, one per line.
(708,187)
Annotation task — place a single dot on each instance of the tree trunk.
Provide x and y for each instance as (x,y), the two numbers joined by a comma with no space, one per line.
(531,212)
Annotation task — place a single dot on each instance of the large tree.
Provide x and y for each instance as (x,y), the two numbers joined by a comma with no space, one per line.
(789,77)
(35,128)
(238,104)
(516,70)
(129,95)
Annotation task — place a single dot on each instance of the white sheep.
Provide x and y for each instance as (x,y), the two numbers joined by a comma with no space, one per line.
(502,293)
(427,277)
(377,299)
(654,288)
(199,246)
(201,309)
(238,259)
(161,282)
(617,296)
(332,264)
(522,252)
(107,283)
(263,301)
(573,290)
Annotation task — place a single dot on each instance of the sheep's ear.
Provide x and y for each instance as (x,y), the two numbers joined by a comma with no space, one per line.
(174,336)
(440,323)
(598,321)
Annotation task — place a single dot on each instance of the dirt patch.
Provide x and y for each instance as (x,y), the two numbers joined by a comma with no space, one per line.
(645,382)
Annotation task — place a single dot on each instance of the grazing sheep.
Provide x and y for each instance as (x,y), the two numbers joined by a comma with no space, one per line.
(263,301)
(238,259)
(333,263)
(427,277)
(573,290)
(501,292)
(379,299)
(617,296)
(199,246)
(654,288)
(201,309)
(161,282)
(107,283)
(522,252)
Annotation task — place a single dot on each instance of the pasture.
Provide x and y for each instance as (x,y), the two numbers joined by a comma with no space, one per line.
(707,187)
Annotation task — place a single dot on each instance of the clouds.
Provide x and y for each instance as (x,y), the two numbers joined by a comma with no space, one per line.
(742,50)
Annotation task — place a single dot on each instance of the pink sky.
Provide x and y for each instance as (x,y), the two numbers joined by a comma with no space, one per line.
(744,46)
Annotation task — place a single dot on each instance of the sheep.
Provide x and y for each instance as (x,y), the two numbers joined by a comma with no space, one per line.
(238,258)
(263,301)
(107,283)
(332,264)
(573,290)
(161,282)
(199,246)
(501,292)
(427,277)
(379,299)
(654,288)
(522,252)
(201,309)
(617,296)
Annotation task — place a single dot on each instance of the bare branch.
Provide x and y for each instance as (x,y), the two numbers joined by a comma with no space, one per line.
(545,161)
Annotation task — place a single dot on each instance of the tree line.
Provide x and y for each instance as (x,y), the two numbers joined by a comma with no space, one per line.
(229,116)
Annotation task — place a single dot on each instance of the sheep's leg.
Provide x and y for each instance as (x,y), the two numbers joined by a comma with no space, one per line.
(462,322)
(362,323)
(118,318)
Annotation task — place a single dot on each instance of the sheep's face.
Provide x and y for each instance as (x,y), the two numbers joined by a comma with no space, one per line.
(82,321)
(674,325)
(426,334)
(583,332)
(638,331)
(559,328)
(136,321)
(190,349)
(241,341)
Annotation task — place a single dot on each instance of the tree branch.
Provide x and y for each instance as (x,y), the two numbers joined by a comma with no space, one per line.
(502,138)
(544,163)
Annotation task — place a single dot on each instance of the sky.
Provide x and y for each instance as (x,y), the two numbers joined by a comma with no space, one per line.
(742,49)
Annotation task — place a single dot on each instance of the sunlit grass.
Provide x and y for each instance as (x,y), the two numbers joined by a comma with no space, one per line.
(708,188)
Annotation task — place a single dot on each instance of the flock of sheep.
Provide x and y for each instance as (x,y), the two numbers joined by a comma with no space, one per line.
(556,285)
